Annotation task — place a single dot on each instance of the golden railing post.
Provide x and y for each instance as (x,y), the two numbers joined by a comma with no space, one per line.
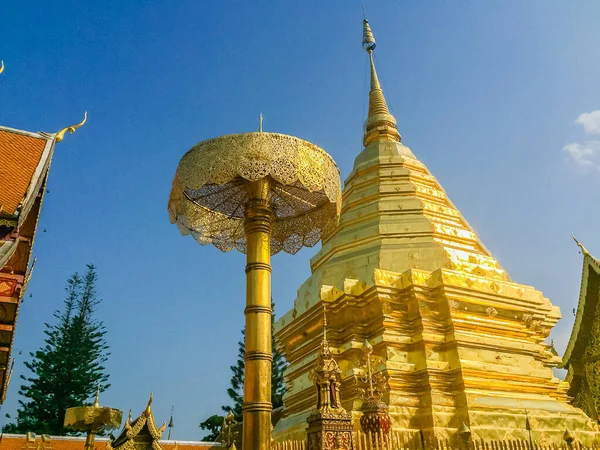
(256,431)
(89,441)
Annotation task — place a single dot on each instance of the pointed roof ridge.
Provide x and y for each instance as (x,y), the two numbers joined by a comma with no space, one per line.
(133,428)
(584,250)
(585,313)
(380,124)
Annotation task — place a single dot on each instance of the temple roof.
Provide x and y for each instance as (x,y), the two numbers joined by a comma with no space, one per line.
(25,159)
(44,442)
(586,316)
(143,429)
(20,155)
(24,162)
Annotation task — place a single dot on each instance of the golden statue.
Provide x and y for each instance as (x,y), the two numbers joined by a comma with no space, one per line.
(258,193)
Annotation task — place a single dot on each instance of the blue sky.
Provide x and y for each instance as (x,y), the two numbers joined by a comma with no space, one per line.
(487,94)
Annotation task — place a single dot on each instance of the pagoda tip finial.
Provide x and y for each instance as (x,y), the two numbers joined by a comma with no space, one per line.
(260,121)
(61,134)
(380,124)
(1,66)
(368,41)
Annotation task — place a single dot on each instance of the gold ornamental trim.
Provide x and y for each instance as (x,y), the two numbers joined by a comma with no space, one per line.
(209,195)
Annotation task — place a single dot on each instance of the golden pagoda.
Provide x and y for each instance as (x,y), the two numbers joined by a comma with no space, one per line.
(463,347)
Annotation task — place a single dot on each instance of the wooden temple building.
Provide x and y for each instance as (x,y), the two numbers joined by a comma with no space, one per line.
(463,346)
(25,159)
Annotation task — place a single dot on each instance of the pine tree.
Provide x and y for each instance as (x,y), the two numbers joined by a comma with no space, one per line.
(213,426)
(68,368)
(236,390)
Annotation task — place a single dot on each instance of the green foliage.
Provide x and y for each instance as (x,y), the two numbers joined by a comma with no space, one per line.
(236,390)
(213,425)
(69,367)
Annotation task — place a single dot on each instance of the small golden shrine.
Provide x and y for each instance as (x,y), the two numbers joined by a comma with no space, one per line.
(462,345)
(329,425)
(25,159)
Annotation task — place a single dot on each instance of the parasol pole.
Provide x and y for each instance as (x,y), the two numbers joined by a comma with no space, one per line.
(256,431)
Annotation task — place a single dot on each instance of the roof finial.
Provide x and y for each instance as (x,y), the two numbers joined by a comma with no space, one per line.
(61,134)
(583,249)
(260,119)
(170,423)
(380,124)
(2,67)
(148,408)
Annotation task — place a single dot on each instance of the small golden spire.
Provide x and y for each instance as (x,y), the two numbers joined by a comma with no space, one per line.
(61,134)
(260,119)
(324,322)
(2,67)
(368,350)
(380,124)
(97,400)
(325,349)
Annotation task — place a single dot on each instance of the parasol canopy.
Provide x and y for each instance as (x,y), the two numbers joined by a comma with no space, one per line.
(209,193)
(95,418)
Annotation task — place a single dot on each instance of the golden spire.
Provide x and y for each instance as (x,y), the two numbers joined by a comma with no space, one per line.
(2,66)
(61,134)
(325,349)
(97,400)
(380,124)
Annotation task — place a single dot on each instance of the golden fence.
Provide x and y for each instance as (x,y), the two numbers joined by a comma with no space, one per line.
(397,440)
(289,445)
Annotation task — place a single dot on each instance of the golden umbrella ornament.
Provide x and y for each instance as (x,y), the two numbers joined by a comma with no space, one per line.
(259,193)
(92,420)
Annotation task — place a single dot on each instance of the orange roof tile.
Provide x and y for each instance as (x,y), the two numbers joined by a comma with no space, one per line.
(20,442)
(19,156)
